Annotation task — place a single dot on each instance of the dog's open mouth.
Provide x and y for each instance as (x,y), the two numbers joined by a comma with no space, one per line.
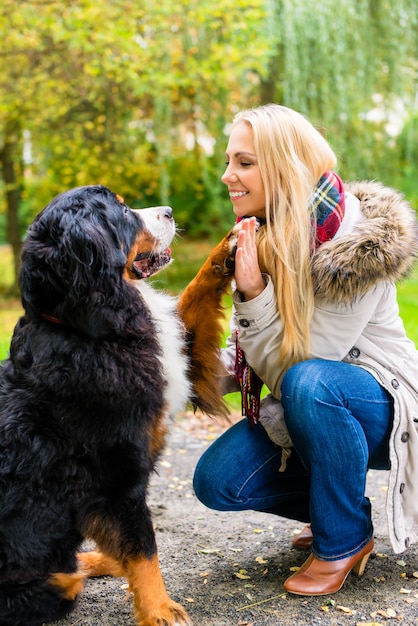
(148,263)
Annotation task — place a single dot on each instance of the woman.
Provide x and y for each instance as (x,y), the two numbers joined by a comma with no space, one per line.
(317,322)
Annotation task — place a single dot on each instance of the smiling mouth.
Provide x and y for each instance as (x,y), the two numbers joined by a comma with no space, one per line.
(237,194)
(147,263)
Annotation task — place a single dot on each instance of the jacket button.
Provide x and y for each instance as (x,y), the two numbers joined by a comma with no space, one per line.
(244,323)
(401,487)
(405,437)
(395,383)
(354,353)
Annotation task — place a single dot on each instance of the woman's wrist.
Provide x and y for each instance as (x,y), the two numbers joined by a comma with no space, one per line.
(254,292)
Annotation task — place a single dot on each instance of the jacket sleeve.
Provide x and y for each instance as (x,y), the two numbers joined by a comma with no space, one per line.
(335,329)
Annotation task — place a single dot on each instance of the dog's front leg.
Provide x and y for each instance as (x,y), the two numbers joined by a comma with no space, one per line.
(127,548)
(153,605)
(200,308)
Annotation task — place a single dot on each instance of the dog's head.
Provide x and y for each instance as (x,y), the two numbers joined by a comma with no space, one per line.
(84,245)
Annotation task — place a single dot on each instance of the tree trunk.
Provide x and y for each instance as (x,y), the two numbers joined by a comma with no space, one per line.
(12,177)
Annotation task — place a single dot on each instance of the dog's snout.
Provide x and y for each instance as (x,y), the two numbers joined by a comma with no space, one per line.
(160,222)
(168,212)
(165,212)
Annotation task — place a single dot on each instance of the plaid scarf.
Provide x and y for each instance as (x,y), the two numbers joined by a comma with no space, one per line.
(327,208)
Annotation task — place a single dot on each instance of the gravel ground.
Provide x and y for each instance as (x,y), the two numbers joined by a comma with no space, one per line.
(227,569)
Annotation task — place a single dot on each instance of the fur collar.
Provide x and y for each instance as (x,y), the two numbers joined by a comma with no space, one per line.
(383,246)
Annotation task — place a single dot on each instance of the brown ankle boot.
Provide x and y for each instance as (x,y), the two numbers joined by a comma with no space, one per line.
(320,578)
(303,539)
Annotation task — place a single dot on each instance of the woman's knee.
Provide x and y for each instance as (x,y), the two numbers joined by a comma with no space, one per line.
(204,482)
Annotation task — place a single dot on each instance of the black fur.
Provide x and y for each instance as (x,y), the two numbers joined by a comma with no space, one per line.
(78,401)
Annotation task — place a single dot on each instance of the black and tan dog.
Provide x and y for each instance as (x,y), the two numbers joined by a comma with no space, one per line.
(97,363)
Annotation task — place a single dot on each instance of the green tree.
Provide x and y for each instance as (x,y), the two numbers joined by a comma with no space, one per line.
(347,65)
(138,95)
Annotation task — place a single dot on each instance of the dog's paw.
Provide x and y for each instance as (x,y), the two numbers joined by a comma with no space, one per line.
(233,234)
(222,257)
(171,614)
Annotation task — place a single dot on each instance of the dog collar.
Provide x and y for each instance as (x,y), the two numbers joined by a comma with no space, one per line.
(51,318)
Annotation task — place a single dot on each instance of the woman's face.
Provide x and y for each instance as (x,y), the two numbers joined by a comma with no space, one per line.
(242,175)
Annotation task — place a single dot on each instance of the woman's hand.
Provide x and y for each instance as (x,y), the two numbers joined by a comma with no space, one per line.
(248,278)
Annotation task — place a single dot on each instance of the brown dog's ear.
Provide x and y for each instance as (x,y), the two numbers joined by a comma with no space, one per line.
(200,308)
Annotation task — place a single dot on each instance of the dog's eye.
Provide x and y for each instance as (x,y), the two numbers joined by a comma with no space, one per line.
(126,210)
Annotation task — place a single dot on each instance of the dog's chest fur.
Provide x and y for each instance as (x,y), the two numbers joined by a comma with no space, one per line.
(170,335)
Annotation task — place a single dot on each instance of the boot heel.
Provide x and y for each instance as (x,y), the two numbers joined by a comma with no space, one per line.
(359,567)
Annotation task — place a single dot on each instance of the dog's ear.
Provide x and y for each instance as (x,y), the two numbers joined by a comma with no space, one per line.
(75,251)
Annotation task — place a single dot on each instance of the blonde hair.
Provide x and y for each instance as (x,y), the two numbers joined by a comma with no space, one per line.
(292,156)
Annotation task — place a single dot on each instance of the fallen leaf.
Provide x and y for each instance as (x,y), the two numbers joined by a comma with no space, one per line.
(295,568)
(387,614)
(242,576)
(209,550)
(259,559)
(324,608)
(258,530)
(345,609)
(401,563)
(369,624)
(403,590)
(189,599)
(415,574)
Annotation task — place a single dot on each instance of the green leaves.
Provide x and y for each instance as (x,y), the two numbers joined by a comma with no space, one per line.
(137,94)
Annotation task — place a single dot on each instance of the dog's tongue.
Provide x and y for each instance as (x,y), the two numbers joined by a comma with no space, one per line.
(145,265)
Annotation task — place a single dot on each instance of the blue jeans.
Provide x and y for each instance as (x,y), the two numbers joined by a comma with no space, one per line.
(340,420)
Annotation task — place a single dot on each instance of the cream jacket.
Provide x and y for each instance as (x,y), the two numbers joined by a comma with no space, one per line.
(356,319)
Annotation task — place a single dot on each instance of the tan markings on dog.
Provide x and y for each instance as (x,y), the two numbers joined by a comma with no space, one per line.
(96,563)
(153,605)
(71,585)
(143,244)
(157,440)
(200,308)
(105,532)
(120,199)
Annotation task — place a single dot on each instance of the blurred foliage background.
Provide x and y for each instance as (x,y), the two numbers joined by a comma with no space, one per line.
(138,95)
